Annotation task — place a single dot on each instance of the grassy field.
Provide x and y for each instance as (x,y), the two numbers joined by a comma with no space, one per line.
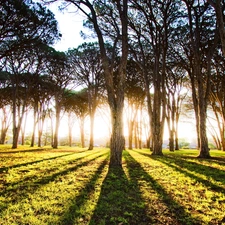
(72,186)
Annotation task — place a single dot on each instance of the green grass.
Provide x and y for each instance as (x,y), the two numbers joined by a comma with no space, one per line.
(74,186)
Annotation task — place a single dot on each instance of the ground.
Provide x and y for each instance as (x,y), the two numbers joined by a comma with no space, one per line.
(75,186)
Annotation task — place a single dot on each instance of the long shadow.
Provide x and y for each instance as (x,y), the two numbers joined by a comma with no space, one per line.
(49,170)
(120,201)
(73,213)
(209,171)
(175,210)
(33,162)
(41,160)
(179,164)
(19,192)
(21,151)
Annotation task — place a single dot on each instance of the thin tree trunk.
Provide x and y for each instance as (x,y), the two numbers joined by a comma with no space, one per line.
(34,127)
(57,118)
(91,141)
(130,135)
(82,138)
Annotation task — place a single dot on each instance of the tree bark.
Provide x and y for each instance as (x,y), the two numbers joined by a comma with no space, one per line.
(117,141)
(82,138)
(92,119)
(57,121)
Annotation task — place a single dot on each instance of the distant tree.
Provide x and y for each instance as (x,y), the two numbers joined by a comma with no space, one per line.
(135,96)
(175,84)
(79,103)
(19,65)
(86,63)
(24,26)
(60,78)
(69,105)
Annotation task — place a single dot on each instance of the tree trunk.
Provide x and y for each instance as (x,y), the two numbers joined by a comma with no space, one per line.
(117,141)
(4,125)
(82,138)
(204,149)
(57,121)
(130,135)
(15,137)
(136,134)
(91,140)
(3,135)
(70,127)
(176,132)
(34,127)
(39,138)
(17,120)
(157,119)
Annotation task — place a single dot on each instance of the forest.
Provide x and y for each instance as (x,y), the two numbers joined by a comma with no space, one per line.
(156,59)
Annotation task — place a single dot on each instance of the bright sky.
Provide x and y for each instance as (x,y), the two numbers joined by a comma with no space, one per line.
(70,24)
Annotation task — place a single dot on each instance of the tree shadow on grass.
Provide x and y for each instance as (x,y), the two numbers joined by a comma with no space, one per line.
(74,213)
(23,189)
(179,164)
(175,213)
(33,162)
(22,151)
(120,201)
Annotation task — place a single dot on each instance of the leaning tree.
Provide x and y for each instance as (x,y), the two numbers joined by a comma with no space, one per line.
(109,21)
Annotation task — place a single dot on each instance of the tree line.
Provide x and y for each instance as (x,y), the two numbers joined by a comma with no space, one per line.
(147,51)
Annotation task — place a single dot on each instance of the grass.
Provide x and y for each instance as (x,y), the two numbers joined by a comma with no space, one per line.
(72,186)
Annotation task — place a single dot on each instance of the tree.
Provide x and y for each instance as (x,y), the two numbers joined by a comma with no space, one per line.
(86,63)
(219,7)
(60,78)
(109,20)
(217,95)
(24,25)
(19,65)
(175,83)
(201,44)
(152,30)
(135,96)
(79,104)
(5,100)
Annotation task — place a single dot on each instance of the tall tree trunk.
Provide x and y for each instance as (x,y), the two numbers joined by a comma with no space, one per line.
(222,136)
(34,126)
(157,126)
(115,91)
(92,120)
(70,127)
(130,134)
(117,141)
(82,138)
(4,125)
(176,132)
(3,135)
(158,116)
(18,115)
(204,150)
(57,121)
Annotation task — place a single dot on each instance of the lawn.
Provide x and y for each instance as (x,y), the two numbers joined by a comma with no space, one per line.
(73,186)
